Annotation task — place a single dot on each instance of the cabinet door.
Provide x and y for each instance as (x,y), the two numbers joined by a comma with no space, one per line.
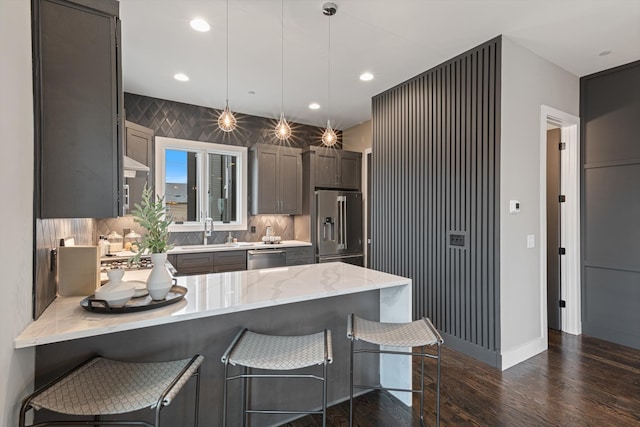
(290,171)
(326,166)
(77,97)
(265,185)
(196,263)
(300,255)
(229,261)
(350,166)
(138,143)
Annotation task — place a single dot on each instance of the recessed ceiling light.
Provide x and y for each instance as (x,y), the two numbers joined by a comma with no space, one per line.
(605,53)
(200,24)
(314,106)
(365,77)
(181,77)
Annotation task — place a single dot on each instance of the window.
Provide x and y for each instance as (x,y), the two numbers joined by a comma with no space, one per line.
(202,180)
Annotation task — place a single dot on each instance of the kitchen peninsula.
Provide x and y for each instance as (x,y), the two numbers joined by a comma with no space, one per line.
(289,300)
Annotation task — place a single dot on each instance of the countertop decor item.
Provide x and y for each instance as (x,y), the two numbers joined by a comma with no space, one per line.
(94,304)
(115,293)
(152,216)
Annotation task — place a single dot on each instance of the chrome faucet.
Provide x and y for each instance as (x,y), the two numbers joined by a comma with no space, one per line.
(208,229)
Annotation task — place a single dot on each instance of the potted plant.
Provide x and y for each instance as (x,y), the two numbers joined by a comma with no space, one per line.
(151,216)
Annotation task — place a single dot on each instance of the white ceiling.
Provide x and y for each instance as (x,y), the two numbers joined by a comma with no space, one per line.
(393,39)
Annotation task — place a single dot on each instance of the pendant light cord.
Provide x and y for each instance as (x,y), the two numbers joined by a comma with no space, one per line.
(329,76)
(227,52)
(282,57)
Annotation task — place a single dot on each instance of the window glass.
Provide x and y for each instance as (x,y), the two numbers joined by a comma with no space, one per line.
(202,180)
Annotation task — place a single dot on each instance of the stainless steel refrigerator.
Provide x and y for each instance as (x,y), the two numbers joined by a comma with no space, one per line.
(339,226)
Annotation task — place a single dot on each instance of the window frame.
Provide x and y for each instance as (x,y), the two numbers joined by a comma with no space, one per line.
(203,149)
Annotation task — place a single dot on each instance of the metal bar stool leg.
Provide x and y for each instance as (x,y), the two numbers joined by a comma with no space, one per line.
(246,384)
(351,385)
(195,411)
(438,388)
(224,394)
(422,386)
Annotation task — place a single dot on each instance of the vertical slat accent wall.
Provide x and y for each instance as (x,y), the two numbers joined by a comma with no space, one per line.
(436,170)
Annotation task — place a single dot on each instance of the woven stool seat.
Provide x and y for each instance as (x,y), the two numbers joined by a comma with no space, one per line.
(280,352)
(250,350)
(415,334)
(419,333)
(107,387)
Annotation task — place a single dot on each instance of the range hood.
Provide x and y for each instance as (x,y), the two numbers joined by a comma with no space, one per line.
(132,166)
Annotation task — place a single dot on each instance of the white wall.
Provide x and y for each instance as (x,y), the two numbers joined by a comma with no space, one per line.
(16,175)
(528,82)
(358,138)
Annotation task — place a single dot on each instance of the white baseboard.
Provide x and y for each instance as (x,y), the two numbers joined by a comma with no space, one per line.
(513,357)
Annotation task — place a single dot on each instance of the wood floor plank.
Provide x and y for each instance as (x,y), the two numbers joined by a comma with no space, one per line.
(578,381)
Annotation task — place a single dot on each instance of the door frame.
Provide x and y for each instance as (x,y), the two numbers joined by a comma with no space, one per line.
(571,316)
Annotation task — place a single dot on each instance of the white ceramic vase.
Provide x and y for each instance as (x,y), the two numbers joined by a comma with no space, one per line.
(159,281)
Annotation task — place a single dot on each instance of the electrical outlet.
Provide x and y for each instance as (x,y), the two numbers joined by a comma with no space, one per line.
(253,228)
(456,238)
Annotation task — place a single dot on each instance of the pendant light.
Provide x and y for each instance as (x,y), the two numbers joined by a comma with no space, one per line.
(227,122)
(283,130)
(329,137)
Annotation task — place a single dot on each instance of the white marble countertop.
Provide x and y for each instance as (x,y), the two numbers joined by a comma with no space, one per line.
(240,246)
(211,295)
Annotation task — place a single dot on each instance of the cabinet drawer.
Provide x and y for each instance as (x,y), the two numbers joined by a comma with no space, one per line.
(300,256)
(197,263)
(229,261)
(302,252)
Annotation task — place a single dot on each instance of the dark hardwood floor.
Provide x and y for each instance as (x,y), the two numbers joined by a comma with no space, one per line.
(579,381)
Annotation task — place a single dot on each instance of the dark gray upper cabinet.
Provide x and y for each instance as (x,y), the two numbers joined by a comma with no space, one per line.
(276,180)
(335,168)
(77,105)
(138,145)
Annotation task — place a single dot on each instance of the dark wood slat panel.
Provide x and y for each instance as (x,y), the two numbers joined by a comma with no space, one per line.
(435,170)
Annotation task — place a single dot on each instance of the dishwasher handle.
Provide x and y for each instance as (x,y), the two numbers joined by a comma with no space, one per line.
(265,252)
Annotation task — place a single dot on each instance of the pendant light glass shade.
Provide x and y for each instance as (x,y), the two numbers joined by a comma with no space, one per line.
(283,130)
(329,137)
(227,121)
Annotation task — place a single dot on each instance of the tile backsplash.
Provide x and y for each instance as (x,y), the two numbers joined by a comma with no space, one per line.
(282,226)
(48,234)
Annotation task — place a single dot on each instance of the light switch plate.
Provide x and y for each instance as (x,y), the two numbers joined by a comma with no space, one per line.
(531,241)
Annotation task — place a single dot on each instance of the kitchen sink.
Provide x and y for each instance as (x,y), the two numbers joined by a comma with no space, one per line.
(211,246)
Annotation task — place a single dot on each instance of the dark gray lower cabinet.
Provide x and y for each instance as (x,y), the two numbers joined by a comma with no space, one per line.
(77,108)
(208,262)
(194,263)
(229,261)
(300,255)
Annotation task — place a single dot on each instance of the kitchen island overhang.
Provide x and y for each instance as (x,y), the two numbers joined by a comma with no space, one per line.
(291,300)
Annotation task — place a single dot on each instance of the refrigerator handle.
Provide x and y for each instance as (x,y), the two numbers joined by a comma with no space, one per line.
(344,222)
(341,222)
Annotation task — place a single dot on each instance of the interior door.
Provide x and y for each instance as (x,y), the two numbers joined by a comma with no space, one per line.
(553,229)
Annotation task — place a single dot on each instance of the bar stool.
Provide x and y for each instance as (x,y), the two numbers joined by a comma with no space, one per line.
(102,386)
(251,350)
(419,333)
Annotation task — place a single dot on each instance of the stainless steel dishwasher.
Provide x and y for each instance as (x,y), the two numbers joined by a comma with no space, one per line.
(266,258)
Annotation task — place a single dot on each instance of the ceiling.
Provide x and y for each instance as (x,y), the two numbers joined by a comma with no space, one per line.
(393,39)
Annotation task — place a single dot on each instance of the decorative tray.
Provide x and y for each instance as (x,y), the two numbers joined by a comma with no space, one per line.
(143,303)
